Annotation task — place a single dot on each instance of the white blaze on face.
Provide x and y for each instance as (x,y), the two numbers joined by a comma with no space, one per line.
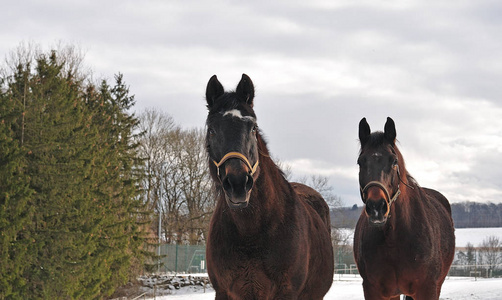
(237,114)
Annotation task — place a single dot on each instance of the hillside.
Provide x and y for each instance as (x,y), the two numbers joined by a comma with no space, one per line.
(465,215)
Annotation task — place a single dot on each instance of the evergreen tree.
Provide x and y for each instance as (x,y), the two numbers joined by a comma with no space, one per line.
(70,157)
(54,137)
(15,212)
(116,190)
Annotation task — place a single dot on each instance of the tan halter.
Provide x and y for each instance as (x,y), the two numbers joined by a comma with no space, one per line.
(229,155)
(388,199)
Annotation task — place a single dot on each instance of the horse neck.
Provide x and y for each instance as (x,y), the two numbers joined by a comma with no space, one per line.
(267,203)
(406,208)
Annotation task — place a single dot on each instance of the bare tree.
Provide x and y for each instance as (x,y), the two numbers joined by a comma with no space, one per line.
(177,184)
(468,257)
(196,185)
(156,145)
(321,184)
(490,252)
(285,168)
(69,56)
(23,55)
(156,128)
(20,62)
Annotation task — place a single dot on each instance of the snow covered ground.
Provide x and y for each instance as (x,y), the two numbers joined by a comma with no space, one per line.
(475,236)
(348,287)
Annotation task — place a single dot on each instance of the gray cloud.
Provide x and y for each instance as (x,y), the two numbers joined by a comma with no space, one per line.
(318,66)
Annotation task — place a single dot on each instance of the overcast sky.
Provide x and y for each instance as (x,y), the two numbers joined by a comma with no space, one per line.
(318,66)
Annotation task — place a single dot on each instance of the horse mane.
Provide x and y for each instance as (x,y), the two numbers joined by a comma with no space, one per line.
(264,154)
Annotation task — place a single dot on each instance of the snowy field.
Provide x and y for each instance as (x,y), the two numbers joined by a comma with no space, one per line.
(348,287)
(475,236)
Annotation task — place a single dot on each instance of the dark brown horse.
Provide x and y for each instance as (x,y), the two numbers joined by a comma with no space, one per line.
(268,239)
(404,241)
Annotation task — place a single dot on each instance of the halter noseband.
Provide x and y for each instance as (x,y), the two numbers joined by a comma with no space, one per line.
(378,184)
(388,199)
(383,188)
(229,155)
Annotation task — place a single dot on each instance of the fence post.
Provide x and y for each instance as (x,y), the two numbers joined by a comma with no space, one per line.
(176,261)
(476,265)
(160,240)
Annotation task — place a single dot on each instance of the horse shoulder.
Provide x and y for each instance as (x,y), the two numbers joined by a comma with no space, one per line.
(446,228)
(314,200)
(320,263)
(438,197)
(358,237)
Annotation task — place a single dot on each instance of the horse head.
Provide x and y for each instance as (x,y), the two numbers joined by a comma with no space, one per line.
(232,140)
(379,163)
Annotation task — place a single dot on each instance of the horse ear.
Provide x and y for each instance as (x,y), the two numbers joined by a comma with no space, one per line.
(364,131)
(390,130)
(245,89)
(213,91)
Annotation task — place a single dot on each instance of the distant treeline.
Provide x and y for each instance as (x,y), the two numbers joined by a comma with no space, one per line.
(465,215)
(471,215)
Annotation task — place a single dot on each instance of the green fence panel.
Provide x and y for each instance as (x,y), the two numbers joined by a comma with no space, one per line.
(182,259)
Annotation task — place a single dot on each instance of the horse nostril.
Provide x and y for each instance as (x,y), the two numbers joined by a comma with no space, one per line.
(249,182)
(369,207)
(237,185)
(376,207)
(227,185)
(381,205)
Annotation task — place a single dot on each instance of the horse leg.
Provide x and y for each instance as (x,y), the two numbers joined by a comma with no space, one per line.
(427,293)
(286,293)
(439,285)
(370,293)
(221,295)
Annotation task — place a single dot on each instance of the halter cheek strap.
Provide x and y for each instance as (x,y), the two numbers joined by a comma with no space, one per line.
(229,155)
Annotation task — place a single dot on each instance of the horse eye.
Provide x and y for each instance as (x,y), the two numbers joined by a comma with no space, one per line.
(211,131)
(394,163)
(254,129)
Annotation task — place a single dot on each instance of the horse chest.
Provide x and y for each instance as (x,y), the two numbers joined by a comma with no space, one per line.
(255,265)
(248,278)
(392,262)
(393,249)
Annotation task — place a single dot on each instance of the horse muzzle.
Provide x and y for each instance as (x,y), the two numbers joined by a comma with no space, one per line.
(377,211)
(237,180)
(377,200)
(237,189)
